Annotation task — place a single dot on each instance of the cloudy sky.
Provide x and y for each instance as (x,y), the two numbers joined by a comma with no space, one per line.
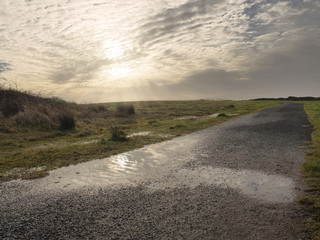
(118,50)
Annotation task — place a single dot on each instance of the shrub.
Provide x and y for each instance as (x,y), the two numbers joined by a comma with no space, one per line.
(230,106)
(10,108)
(33,118)
(98,108)
(101,108)
(66,121)
(124,110)
(117,135)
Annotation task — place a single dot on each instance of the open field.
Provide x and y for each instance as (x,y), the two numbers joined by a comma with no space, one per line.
(40,134)
(312,170)
(35,138)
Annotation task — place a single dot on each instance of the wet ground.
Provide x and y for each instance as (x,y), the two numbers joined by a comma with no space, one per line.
(238,180)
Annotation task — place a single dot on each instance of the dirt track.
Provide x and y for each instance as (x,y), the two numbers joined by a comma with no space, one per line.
(237,180)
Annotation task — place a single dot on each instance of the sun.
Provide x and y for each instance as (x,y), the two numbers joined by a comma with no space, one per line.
(113,50)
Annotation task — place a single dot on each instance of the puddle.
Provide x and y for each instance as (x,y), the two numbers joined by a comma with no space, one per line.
(187,117)
(64,144)
(20,171)
(269,188)
(144,133)
(160,167)
(215,115)
(149,133)
(164,135)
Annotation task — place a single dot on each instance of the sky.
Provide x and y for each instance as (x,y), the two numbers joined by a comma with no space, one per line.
(125,50)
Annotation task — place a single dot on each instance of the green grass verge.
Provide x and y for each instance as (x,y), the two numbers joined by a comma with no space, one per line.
(311,169)
(29,152)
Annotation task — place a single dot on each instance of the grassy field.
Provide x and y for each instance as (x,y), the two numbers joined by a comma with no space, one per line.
(312,171)
(40,134)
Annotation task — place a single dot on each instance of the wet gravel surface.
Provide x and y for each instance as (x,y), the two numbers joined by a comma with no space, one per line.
(238,180)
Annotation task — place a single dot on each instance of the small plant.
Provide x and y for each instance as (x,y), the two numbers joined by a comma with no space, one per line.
(124,110)
(117,135)
(103,141)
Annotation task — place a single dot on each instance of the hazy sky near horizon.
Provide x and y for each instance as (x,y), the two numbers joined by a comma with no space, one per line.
(120,50)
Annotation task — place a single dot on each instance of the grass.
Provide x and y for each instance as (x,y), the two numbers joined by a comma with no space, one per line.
(39,134)
(33,141)
(311,169)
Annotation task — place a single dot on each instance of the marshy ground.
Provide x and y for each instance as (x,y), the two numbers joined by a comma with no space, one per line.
(39,134)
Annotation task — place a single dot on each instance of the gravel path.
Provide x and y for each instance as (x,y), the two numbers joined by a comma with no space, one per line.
(238,180)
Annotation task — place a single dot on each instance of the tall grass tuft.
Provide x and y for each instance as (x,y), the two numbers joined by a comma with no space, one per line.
(125,110)
(66,121)
(33,118)
(27,109)
(117,135)
(10,108)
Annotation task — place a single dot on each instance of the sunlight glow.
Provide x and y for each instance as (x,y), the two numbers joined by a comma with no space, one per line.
(114,50)
(119,71)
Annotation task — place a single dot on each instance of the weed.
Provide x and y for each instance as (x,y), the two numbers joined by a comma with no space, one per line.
(178,126)
(103,141)
(117,135)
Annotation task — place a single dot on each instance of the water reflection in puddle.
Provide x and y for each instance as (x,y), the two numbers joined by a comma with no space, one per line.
(144,133)
(269,188)
(160,167)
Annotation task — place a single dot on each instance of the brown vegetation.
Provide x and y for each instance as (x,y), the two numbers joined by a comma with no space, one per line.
(25,109)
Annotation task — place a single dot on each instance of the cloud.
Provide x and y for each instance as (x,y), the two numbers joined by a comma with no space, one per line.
(80,71)
(4,67)
(162,49)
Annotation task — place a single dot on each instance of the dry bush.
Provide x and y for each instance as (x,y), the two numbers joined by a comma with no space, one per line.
(124,110)
(10,103)
(33,118)
(97,108)
(27,109)
(66,121)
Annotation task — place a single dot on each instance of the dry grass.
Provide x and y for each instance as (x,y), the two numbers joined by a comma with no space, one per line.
(25,109)
(311,170)
(50,133)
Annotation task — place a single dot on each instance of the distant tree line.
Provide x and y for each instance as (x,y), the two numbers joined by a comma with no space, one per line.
(291,98)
